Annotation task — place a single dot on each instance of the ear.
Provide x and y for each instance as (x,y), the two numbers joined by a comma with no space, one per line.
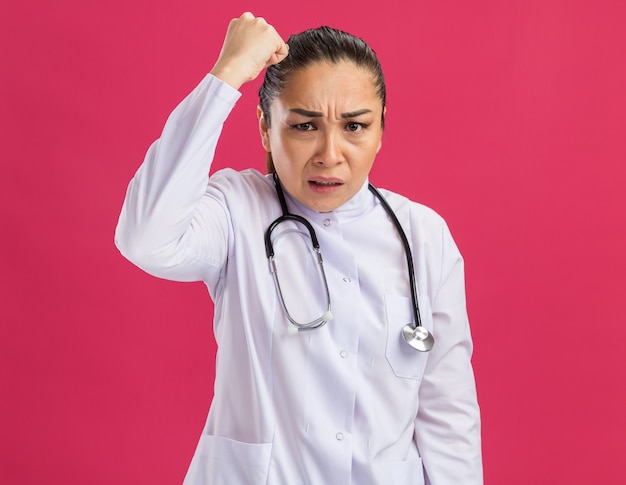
(380,142)
(265,137)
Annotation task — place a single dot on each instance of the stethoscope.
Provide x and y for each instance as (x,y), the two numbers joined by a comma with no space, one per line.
(414,333)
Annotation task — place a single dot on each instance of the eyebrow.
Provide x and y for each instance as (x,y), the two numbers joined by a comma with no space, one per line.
(317,114)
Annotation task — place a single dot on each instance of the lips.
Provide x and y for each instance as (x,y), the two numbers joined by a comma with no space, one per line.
(325,182)
(321,185)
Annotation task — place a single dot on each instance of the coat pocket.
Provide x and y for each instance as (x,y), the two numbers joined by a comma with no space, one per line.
(405,361)
(223,461)
(408,472)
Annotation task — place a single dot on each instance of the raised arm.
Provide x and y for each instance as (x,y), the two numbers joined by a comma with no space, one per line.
(169,226)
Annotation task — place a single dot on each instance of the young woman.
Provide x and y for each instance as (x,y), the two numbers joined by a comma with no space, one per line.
(331,369)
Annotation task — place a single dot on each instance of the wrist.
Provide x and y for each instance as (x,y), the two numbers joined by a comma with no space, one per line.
(230,76)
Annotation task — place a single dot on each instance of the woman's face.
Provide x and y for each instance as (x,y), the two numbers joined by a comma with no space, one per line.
(325,133)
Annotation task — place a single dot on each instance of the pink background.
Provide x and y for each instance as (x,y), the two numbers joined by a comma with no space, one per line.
(508,117)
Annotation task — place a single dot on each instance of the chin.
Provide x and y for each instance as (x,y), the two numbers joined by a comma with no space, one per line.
(323,203)
(324,206)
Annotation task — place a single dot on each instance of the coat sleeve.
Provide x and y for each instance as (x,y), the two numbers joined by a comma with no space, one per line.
(447,427)
(170,225)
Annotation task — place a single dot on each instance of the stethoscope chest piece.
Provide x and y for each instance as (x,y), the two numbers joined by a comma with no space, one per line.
(418,337)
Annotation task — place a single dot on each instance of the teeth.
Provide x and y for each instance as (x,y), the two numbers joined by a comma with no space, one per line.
(326,183)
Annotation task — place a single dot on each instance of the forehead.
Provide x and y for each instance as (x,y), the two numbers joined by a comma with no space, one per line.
(319,83)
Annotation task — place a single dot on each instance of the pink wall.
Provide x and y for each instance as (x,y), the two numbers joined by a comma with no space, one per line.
(508,117)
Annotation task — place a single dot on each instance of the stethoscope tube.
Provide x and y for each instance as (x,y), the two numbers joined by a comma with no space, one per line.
(269,251)
(414,334)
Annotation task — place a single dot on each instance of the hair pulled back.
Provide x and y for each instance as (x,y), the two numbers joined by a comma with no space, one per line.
(323,44)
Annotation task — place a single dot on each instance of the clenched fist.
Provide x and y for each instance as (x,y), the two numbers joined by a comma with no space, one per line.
(250,45)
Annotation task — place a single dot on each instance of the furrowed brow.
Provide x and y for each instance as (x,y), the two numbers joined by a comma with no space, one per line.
(354,114)
(307,113)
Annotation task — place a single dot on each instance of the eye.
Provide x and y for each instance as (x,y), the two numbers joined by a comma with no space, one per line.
(355,127)
(304,126)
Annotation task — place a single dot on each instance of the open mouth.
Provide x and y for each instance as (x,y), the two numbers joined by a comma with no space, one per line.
(325,183)
(322,186)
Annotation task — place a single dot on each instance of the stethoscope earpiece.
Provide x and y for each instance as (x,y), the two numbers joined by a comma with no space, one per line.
(418,337)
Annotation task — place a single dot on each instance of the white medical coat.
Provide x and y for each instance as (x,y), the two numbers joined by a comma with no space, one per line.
(348,403)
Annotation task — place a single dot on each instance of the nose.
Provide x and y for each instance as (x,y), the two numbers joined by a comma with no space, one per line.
(330,149)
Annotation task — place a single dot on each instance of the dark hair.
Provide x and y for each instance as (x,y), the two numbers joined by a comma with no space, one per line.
(318,45)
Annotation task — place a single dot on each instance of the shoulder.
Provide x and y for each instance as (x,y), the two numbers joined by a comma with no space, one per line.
(416,212)
(424,225)
(242,194)
(244,183)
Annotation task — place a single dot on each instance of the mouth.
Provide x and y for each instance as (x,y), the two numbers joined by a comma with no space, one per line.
(324,185)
